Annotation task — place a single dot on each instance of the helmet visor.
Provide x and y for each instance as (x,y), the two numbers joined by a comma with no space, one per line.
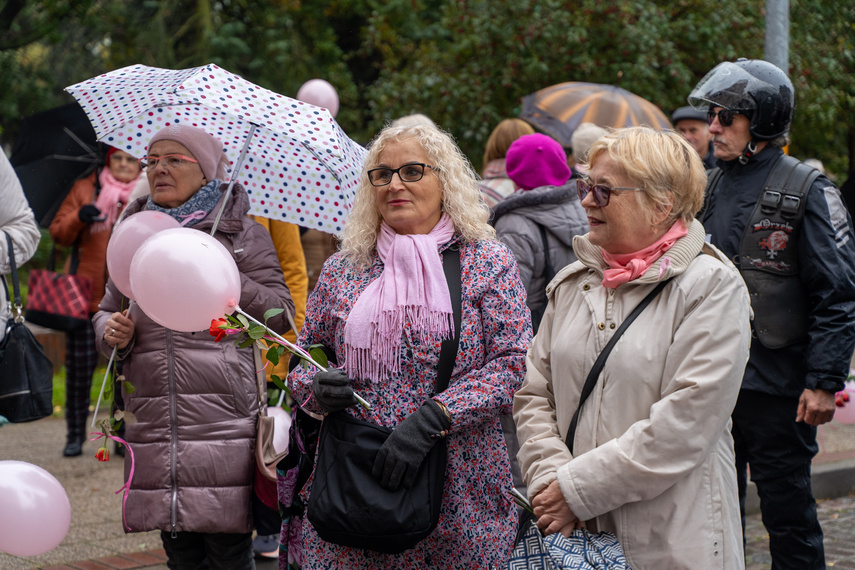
(730,86)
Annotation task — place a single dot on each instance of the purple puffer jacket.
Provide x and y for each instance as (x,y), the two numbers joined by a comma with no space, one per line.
(195,400)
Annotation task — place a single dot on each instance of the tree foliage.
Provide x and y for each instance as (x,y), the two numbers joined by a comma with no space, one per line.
(464,63)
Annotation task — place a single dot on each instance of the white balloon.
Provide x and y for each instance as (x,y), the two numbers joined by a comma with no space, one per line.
(281,425)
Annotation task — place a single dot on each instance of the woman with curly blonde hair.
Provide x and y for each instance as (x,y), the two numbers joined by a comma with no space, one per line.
(382,308)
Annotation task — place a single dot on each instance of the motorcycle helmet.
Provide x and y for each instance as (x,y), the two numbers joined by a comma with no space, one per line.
(755,88)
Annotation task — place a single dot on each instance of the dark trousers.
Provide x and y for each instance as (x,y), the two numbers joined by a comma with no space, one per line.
(81,357)
(779,451)
(208,551)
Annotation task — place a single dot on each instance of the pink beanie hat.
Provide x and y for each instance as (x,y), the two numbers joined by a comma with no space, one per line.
(537,160)
(204,148)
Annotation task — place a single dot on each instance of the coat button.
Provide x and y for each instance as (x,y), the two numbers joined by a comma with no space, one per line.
(586,287)
(601,326)
(612,326)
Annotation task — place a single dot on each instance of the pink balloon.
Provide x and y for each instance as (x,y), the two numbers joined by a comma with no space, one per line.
(34,510)
(846,413)
(319,93)
(127,238)
(183,278)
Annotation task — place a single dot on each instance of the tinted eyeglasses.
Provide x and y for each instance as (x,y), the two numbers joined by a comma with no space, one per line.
(170,161)
(412,172)
(602,193)
(725,117)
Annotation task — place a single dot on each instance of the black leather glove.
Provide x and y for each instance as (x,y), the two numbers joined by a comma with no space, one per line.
(332,390)
(399,458)
(89,213)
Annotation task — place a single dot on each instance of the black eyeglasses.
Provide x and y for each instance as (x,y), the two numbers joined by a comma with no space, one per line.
(412,172)
(602,193)
(725,117)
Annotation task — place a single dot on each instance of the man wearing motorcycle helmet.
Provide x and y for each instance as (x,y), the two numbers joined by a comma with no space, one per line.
(785,227)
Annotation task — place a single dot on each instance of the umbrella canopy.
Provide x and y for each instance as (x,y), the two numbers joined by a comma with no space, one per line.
(559,109)
(51,151)
(299,166)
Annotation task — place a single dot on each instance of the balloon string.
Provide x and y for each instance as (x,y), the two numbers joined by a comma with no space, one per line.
(127,486)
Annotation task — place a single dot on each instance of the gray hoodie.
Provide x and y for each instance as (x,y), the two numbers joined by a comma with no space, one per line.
(516,219)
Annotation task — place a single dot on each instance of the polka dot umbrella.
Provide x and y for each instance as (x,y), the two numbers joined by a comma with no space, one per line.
(559,109)
(294,160)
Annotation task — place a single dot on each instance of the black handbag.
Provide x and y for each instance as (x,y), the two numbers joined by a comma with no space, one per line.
(347,505)
(26,373)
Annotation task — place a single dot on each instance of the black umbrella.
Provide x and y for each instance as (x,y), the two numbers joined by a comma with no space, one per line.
(51,151)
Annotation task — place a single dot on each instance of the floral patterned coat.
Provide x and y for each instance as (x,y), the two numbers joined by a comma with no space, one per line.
(478,519)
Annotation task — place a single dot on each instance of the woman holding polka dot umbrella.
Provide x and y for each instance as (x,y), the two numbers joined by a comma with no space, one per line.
(293,159)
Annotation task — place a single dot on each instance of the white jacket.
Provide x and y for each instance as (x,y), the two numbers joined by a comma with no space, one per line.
(654,459)
(16,219)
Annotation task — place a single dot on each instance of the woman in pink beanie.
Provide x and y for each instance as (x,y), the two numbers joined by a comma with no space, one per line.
(539,220)
(195,399)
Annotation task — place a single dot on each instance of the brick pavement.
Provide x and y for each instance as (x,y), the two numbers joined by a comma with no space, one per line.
(96,539)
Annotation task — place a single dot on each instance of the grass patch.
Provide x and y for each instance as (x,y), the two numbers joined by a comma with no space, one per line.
(59,391)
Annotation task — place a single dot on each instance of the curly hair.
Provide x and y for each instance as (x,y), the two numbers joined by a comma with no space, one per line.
(663,163)
(461,197)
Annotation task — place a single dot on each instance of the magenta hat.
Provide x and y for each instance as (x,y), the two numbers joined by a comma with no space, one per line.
(536,160)
(204,148)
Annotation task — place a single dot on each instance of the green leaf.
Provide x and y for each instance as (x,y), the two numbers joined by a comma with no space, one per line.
(270,313)
(129,388)
(108,390)
(273,357)
(279,383)
(246,343)
(316,351)
(256,333)
(243,320)
(129,418)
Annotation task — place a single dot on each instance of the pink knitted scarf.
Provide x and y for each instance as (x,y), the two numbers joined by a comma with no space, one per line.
(628,266)
(113,192)
(411,288)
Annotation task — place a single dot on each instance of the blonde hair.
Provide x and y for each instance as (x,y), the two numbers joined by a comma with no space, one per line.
(663,163)
(461,197)
(505,133)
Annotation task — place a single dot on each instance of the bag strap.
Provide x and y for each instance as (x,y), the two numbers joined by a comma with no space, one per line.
(448,351)
(548,270)
(16,286)
(594,374)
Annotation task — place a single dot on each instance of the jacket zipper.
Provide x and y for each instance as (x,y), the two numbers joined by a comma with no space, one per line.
(173,443)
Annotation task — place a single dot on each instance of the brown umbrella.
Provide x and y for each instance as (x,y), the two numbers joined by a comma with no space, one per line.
(559,109)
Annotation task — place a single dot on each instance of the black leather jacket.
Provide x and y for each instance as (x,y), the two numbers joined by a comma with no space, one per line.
(826,259)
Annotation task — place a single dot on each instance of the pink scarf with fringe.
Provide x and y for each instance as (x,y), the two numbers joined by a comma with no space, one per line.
(411,288)
(113,192)
(628,266)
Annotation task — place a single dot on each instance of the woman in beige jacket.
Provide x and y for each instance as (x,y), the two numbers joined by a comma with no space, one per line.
(653,458)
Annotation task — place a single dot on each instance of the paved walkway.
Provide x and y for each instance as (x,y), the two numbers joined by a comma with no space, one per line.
(95,540)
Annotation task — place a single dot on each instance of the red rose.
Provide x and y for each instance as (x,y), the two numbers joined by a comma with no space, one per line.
(103,454)
(216,329)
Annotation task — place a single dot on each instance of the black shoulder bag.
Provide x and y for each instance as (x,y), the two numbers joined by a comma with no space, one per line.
(347,505)
(26,373)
